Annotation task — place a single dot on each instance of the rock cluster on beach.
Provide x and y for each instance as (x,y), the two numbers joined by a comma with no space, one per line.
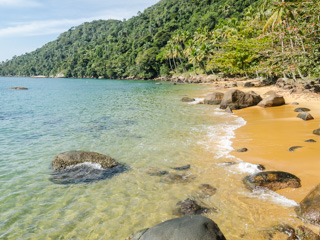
(236,99)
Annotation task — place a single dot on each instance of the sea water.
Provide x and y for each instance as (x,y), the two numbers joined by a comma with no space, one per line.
(143,126)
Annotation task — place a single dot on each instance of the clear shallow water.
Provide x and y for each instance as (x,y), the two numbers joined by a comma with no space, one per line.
(139,124)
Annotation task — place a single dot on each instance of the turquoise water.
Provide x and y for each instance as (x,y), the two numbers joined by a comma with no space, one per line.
(136,122)
(140,124)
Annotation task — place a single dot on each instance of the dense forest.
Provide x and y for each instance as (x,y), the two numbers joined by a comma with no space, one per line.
(236,37)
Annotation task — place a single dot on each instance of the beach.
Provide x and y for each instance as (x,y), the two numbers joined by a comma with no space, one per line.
(270,132)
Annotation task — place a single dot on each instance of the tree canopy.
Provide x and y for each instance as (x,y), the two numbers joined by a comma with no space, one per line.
(237,37)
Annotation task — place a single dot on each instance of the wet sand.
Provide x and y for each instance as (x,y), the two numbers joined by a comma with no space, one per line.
(270,132)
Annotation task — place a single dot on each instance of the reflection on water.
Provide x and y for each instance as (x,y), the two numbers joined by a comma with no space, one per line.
(140,124)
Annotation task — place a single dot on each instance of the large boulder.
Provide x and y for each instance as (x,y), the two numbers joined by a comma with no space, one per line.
(213,98)
(309,208)
(272,101)
(236,99)
(66,159)
(273,180)
(184,228)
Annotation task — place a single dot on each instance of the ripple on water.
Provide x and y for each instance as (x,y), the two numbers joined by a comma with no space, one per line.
(138,124)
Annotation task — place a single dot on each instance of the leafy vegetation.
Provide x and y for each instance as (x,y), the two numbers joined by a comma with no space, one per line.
(237,37)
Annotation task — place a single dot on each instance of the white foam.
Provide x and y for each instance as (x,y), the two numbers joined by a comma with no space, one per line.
(245,167)
(221,134)
(269,195)
(220,143)
(197,101)
(88,164)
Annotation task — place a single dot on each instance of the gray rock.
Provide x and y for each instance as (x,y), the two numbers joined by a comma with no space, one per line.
(228,110)
(182,168)
(305,116)
(292,149)
(272,101)
(309,208)
(66,159)
(189,207)
(269,93)
(248,84)
(184,228)
(213,98)
(273,180)
(261,167)
(187,99)
(317,131)
(236,99)
(18,88)
(311,140)
(242,150)
(295,103)
(302,110)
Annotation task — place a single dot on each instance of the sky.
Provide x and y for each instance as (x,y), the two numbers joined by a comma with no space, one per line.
(26,25)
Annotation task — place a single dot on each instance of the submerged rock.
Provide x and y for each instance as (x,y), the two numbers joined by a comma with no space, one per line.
(182,168)
(302,110)
(187,99)
(156,172)
(309,208)
(305,116)
(207,190)
(272,101)
(177,178)
(184,228)
(18,88)
(236,99)
(292,149)
(213,98)
(273,180)
(84,173)
(189,207)
(66,159)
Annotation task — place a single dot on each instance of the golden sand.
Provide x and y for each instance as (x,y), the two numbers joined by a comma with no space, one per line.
(270,132)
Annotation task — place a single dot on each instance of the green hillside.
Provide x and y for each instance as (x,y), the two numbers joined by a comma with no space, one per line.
(245,37)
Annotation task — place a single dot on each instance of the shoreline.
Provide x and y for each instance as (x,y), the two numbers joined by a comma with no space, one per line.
(270,132)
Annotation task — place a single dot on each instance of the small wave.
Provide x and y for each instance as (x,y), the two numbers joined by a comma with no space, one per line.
(221,134)
(86,164)
(197,101)
(245,167)
(269,195)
